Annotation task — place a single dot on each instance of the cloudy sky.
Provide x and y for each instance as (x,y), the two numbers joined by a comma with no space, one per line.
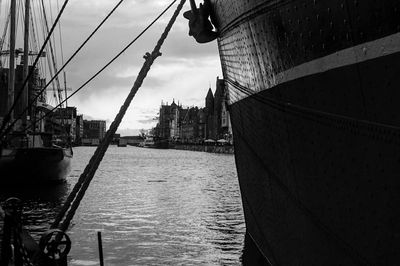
(184,72)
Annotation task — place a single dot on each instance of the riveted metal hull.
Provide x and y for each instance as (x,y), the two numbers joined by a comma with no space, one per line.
(313,89)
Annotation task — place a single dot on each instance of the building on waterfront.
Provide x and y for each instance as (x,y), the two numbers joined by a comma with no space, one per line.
(34,86)
(194,124)
(168,124)
(93,131)
(66,117)
(218,125)
(222,127)
(209,115)
(201,125)
(174,121)
(79,130)
(191,130)
(61,122)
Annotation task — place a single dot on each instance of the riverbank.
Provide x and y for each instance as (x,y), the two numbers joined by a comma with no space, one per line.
(205,148)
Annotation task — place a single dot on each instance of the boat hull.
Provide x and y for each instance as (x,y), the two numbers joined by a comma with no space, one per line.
(317,189)
(35,166)
(313,91)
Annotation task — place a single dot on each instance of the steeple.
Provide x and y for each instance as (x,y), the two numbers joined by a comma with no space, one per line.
(210,93)
(173,102)
(210,100)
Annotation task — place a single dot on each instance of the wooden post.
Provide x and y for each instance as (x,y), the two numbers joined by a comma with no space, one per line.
(17,240)
(100,249)
(6,241)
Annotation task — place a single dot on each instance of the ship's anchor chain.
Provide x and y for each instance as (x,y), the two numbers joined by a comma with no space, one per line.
(55,244)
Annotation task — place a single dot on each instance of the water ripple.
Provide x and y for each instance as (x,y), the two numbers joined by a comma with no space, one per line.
(153,207)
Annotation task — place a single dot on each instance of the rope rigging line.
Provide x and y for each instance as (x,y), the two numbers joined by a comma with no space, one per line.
(59,86)
(35,37)
(7,117)
(98,155)
(52,51)
(61,69)
(50,66)
(3,36)
(18,17)
(62,57)
(99,71)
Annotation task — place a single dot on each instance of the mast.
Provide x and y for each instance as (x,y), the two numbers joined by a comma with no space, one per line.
(26,61)
(11,71)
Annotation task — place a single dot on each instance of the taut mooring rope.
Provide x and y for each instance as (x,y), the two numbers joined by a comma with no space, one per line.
(72,202)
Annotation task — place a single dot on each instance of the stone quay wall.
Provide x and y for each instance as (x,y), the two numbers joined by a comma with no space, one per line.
(205,148)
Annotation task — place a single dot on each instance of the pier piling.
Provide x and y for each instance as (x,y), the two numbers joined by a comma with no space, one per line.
(100,249)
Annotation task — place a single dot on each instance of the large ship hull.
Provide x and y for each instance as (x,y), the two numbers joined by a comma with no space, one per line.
(31,166)
(313,89)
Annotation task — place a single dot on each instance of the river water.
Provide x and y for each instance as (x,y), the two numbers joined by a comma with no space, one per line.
(153,207)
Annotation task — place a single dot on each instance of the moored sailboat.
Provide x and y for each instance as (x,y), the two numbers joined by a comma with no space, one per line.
(32,150)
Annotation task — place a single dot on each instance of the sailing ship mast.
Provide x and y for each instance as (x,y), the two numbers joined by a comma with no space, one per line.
(28,158)
(11,71)
(25,70)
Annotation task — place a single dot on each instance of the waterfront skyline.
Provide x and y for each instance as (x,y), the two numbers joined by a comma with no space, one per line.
(184,71)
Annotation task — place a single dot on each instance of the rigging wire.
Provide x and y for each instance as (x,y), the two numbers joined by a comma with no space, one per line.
(62,57)
(17,17)
(49,65)
(7,33)
(3,36)
(5,30)
(53,51)
(108,64)
(62,68)
(35,38)
(51,59)
(32,38)
(7,118)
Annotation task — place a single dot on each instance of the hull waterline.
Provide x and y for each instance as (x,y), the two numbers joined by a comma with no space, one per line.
(35,166)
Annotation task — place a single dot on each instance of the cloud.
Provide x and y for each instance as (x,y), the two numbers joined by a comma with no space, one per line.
(184,71)
(146,121)
(128,131)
